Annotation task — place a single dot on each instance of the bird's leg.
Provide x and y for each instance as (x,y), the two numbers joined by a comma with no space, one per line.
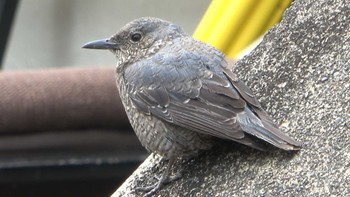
(164,179)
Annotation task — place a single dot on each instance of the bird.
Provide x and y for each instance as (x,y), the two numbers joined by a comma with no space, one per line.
(181,96)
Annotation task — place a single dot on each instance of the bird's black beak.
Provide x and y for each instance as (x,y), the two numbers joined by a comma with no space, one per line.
(101,44)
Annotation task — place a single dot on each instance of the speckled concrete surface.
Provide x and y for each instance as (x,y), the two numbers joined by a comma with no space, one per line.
(300,72)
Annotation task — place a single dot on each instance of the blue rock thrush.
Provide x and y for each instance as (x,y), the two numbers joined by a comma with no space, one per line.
(180,95)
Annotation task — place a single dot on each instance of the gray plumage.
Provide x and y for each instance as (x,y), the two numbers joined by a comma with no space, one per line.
(179,93)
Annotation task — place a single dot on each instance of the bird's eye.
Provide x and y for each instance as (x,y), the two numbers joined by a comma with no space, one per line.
(136,37)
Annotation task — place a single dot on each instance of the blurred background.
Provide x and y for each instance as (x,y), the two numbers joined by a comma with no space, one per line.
(45,159)
(50,33)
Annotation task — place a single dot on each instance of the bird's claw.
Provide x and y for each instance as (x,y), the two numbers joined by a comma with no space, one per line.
(162,180)
(151,189)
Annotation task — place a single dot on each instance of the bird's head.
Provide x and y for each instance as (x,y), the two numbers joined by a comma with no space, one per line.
(138,39)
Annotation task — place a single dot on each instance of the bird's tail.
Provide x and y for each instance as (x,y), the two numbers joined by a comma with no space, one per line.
(259,125)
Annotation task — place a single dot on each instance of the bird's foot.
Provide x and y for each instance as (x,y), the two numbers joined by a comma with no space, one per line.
(169,179)
(151,189)
(162,180)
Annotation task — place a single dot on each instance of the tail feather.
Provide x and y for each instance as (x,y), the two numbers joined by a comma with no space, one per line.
(248,141)
(262,127)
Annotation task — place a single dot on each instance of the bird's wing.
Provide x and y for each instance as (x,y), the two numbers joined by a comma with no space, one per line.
(191,92)
(199,93)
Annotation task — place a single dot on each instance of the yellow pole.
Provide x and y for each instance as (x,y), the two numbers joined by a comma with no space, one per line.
(253,26)
(231,25)
(278,13)
(210,19)
(235,14)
